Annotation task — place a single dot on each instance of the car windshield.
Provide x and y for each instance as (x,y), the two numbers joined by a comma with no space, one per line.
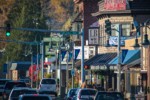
(116,95)
(72,92)
(48,81)
(35,98)
(88,92)
(25,80)
(109,96)
(16,93)
(11,85)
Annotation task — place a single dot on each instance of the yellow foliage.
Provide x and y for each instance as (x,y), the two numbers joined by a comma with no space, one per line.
(60,9)
(6,2)
(67,25)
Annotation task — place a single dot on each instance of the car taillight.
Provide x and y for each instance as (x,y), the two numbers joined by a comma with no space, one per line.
(35,94)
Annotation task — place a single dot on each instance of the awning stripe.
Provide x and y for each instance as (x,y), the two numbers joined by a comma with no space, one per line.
(131,56)
(100,59)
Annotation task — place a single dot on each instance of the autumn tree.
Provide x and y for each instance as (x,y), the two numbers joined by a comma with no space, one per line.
(23,14)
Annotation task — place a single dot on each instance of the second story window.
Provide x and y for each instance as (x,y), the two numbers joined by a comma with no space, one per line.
(126,30)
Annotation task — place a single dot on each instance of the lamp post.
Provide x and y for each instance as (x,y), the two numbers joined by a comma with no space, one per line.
(82,58)
(42,60)
(67,68)
(119,59)
(72,64)
(37,68)
(31,69)
(60,69)
(60,83)
(58,49)
(69,48)
(146,41)
(119,30)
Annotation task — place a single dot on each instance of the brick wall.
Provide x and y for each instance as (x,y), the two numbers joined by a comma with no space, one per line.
(89,8)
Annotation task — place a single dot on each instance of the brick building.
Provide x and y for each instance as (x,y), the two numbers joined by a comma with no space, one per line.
(135,71)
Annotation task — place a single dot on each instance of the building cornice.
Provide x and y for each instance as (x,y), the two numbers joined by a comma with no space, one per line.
(121,12)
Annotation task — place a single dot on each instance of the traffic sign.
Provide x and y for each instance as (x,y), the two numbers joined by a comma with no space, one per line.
(72,72)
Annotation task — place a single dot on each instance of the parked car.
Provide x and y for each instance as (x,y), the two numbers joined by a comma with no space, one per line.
(14,94)
(9,86)
(27,81)
(109,96)
(47,86)
(70,94)
(85,94)
(34,97)
(2,84)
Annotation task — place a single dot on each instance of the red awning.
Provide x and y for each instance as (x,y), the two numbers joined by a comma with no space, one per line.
(33,71)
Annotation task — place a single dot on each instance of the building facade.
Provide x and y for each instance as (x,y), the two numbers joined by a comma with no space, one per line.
(131,15)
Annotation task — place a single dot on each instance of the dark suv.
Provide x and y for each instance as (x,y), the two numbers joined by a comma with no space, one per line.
(9,86)
(102,95)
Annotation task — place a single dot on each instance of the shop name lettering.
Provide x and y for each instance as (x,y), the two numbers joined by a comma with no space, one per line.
(114,1)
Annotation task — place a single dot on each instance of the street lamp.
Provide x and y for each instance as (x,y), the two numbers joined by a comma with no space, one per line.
(146,41)
(60,46)
(69,49)
(55,49)
(119,30)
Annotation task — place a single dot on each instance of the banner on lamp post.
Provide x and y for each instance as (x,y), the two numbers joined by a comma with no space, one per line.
(63,53)
(76,54)
(70,56)
(124,53)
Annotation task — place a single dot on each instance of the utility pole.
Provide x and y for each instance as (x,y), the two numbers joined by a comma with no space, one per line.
(32,72)
(37,68)
(67,71)
(42,62)
(82,58)
(73,64)
(119,59)
(60,76)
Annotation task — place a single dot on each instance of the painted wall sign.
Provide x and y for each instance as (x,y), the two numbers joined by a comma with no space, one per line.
(93,36)
(115,4)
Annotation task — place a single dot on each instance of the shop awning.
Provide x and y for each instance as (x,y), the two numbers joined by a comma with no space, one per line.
(130,56)
(135,62)
(100,59)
